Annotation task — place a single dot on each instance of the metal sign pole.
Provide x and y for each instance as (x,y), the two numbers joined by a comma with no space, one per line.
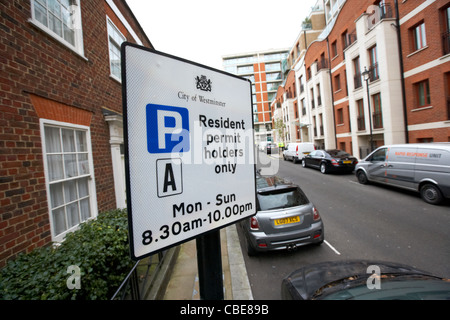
(209,261)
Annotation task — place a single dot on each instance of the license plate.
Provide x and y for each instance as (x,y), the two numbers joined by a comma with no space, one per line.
(347,161)
(306,153)
(279,222)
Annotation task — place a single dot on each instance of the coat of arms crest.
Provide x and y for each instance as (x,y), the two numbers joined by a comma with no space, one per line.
(203,83)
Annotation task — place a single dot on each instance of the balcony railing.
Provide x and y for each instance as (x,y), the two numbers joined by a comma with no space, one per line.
(377,120)
(361,123)
(383,11)
(373,72)
(349,38)
(322,64)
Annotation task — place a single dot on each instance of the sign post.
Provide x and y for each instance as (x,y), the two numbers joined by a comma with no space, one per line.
(189,153)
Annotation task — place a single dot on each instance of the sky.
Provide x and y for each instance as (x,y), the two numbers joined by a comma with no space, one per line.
(204,30)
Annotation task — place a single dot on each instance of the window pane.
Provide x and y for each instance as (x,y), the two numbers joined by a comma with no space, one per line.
(68,138)
(59,221)
(40,13)
(70,165)
(83,164)
(69,35)
(72,215)
(54,7)
(55,167)
(85,210)
(55,25)
(52,140)
(83,188)
(70,191)
(56,194)
(81,141)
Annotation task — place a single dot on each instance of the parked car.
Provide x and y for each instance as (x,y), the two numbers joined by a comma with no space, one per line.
(271,148)
(422,167)
(359,280)
(262,145)
(330,161)
(298,150)
(285,218)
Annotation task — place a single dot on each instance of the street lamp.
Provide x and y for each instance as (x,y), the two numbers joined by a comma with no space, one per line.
(366,77)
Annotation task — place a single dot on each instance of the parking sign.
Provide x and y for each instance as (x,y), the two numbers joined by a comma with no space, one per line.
(189,152)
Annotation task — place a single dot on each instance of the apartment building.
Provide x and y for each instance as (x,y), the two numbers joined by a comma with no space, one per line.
(365,82)
(61,116)
(425,42)
(290,105)
(265,70)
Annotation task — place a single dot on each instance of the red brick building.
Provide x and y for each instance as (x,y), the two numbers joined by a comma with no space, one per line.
(404,94)
(60,116)
(425,39)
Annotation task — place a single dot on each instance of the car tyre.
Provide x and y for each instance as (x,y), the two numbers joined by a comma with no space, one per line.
(303,163)
(323,168)
(430,193)
(251,252)
(362,177)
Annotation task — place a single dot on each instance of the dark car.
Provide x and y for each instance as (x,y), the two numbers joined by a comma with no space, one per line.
(330,161)
(363,280)
(271,148)
(285,218)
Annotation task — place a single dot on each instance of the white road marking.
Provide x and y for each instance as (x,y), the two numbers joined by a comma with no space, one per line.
(332,248)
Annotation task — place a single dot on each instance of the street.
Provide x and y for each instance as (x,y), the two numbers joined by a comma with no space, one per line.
(372,222)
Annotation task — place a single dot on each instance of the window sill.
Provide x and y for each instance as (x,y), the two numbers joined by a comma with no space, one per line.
(422,108)
(417,51)
(44,29)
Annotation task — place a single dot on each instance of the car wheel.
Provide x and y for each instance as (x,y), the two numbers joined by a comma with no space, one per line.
(362,177)
(303,163)
(431,194)
(251,252)
(323,168)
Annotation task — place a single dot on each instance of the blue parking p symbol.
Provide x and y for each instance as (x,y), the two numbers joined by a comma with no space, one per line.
(167,129)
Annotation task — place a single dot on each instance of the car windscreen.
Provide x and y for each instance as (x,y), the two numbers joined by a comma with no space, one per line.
(281,198)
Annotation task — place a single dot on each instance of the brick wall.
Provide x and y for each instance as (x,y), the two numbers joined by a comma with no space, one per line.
(35,66)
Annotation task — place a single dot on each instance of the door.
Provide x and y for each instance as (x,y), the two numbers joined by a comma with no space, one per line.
(316,158)
(376,169)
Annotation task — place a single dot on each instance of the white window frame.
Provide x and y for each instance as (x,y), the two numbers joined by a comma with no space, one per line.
(90,176)
(76,25)
(111,39)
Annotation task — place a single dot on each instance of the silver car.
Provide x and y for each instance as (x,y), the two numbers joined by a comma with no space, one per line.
(285,218)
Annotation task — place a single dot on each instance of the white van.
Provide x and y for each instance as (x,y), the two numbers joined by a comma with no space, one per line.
(298,150)
(423,167)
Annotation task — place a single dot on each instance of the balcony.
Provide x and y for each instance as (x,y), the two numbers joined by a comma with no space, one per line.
(322,64)
(377,120)
(373,72)
(383,11)
(361,123)
(348,39)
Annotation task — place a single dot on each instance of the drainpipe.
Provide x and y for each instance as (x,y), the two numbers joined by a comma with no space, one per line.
(402,77)
(332,94)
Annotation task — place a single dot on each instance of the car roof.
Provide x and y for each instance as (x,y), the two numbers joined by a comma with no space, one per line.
(268,183)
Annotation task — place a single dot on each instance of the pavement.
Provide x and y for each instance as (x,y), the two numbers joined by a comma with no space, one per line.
(183,274)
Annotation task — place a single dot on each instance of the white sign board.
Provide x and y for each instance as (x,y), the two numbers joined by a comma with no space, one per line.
(189,149)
